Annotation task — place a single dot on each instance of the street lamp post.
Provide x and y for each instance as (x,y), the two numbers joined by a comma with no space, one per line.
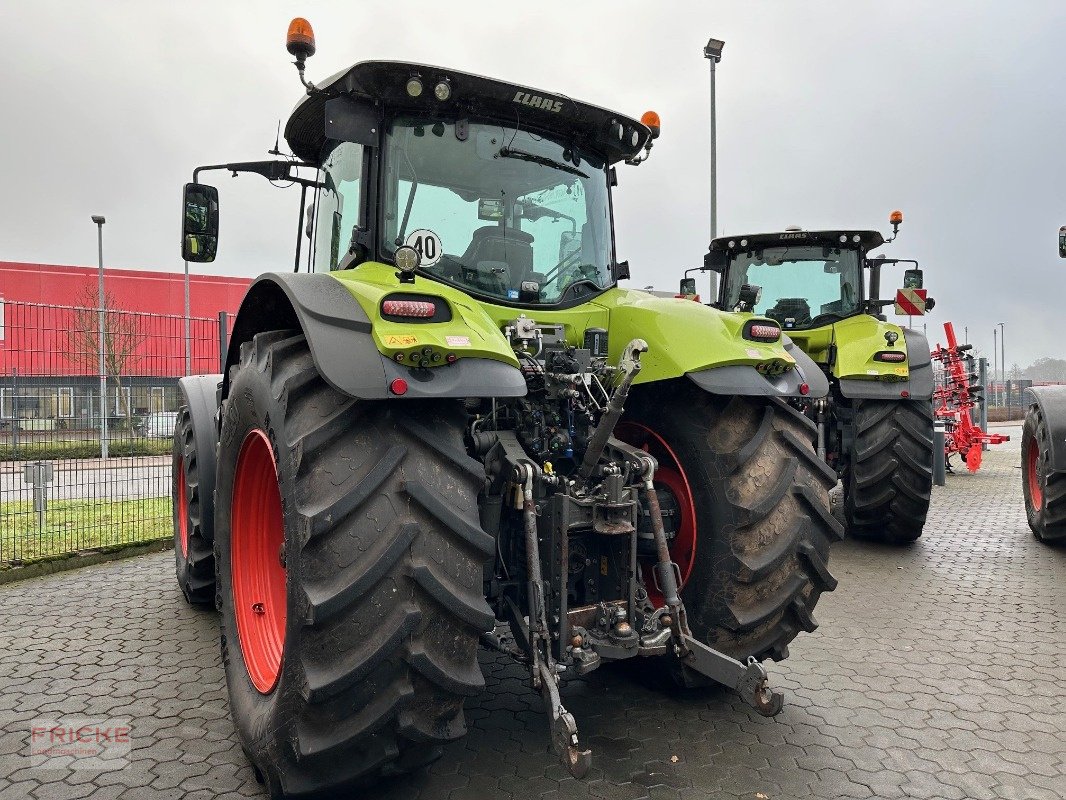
(100,333)
(713,53)
(1003,358)
(995,366)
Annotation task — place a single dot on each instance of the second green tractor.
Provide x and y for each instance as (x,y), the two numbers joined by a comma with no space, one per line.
(875,427)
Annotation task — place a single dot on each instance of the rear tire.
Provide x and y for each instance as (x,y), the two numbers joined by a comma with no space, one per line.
(383,560)
(194,555)
(763,523)
(1043,488)
(888,482)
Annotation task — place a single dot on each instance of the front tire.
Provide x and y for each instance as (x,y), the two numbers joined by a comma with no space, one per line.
(888,482)
(1043,488)
(380,553)
(760,505)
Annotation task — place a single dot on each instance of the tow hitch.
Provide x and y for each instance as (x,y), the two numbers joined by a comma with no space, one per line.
(581,600)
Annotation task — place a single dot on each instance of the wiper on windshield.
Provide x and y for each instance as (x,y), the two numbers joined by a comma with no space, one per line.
(511,152)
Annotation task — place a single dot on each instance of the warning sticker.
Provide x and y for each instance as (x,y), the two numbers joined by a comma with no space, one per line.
(400,340)
(427,244)
(457,341)
(911,302)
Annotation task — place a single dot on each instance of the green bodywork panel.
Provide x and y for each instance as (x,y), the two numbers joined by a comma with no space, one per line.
(857,339)
(682,335)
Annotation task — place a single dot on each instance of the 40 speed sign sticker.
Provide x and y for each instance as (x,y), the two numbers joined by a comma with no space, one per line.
(427,244)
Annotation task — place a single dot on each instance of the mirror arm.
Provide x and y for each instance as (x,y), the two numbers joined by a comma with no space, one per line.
(271,170)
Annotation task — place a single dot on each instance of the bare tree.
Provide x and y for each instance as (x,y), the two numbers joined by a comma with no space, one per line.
(122,336)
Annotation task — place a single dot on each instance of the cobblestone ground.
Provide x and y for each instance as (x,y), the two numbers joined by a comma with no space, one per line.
(939,671)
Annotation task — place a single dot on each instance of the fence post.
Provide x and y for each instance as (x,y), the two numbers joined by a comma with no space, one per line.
(939,457)
(15,414)
(982,377)
(223,336)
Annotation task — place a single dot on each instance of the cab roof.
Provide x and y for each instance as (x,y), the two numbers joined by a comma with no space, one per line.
(382,86)
(868,240)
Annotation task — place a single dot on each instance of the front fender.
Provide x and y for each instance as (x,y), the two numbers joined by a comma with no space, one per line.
(1051,400)
(339,335)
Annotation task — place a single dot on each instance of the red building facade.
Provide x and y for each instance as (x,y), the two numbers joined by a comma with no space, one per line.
(49,351)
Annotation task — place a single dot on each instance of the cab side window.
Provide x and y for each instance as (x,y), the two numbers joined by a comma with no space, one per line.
(339,205)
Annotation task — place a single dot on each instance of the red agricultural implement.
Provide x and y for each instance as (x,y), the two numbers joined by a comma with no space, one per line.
(955,399)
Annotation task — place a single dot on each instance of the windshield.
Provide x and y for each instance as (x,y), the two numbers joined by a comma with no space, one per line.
(498,211)
(802,286)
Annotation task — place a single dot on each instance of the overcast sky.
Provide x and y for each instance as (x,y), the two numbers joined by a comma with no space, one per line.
(830,114)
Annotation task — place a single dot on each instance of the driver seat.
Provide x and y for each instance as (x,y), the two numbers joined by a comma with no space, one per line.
(795,307)
(507,245)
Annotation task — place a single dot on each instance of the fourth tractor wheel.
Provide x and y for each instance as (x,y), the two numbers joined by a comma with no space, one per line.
(754,530)
(1043,488)
(193,554)
(350,574)
(889,478)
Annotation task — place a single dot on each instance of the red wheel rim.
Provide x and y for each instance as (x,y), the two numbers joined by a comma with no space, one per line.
(257,532)
(183,508)
(1032,464)
(670,475)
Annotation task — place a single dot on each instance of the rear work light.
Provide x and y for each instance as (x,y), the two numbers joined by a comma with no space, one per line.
(419,309)
(762,332)
(894,356)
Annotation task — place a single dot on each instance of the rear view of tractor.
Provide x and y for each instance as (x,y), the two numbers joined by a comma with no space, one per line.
(1044,456)
(451,426)
(875,427)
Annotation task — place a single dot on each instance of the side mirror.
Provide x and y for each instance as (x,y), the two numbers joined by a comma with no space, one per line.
(569,244)
(913,279)
(1062,242)
(688,287)
(199,223)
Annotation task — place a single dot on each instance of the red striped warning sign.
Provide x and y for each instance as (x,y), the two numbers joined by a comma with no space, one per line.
(910,302)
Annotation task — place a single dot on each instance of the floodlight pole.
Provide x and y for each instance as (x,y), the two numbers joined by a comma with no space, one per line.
(712,51)
(995,366)
(1003,352)
(100,333)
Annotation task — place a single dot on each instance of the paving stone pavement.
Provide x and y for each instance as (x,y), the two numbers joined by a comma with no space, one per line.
(939,671)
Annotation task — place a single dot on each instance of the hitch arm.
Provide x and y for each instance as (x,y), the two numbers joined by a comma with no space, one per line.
(749,680)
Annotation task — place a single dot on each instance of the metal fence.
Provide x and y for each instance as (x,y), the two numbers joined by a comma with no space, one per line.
(85,458)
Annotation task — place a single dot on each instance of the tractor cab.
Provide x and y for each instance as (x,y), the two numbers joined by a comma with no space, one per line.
(804,279)
(501,191)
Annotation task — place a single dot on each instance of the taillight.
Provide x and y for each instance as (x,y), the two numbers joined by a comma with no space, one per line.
(893,356)
(762,332)
(419,309)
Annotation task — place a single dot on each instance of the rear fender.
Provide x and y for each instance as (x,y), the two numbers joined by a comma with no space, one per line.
(339,334)
(741,379)
(1051,400)
(917,386)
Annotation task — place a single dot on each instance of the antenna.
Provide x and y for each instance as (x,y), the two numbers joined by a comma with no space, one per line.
(277,142)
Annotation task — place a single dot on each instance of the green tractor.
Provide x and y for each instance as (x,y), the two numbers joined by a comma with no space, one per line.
(1044,456)
(875,427)
(449,425)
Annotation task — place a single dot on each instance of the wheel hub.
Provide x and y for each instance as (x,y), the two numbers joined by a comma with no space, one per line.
(1033,476)
(257,568)
(183,508)
(679,508)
